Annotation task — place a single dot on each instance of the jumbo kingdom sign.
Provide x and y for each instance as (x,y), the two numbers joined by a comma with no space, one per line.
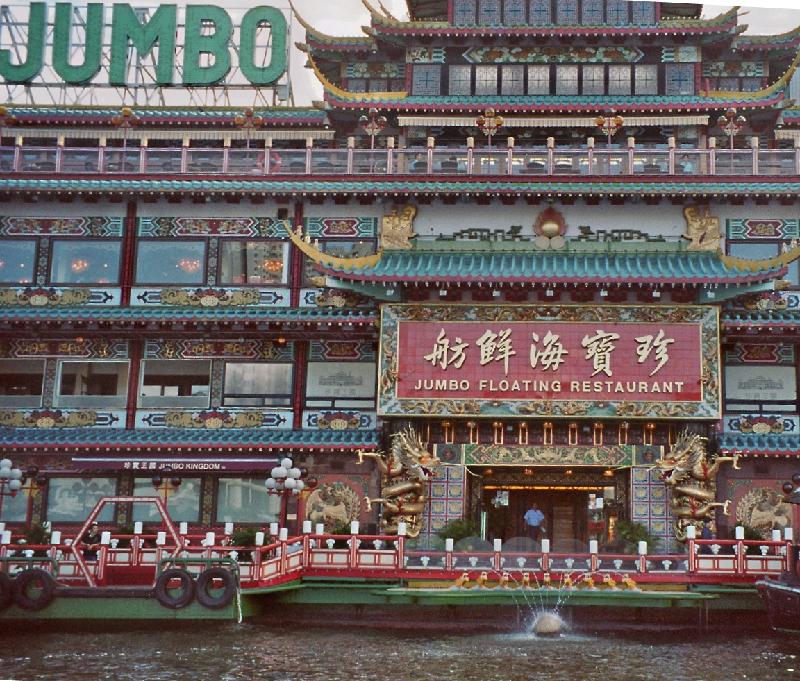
(194,46)
(544,360)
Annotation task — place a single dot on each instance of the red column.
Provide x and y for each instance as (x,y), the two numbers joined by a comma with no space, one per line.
(128,253)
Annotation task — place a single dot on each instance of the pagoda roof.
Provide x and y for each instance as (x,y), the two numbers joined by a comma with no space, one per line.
(779,42)
(770,96)
(387,26)
(247,186)
(753,444)
(576,263)
(184,116)
(189,438)
(427,9)
(323,41)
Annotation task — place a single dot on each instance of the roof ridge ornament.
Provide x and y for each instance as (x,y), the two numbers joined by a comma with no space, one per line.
(312,251)
(352,96)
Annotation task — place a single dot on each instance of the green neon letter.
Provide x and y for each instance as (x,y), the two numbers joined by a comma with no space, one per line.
(258,16)
(32,66)
(127,28)
(197,44)
(62,42)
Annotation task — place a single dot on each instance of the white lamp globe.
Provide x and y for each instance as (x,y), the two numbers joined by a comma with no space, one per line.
(5,473)
(270,483)
(286,463)
(5,463)
(295,473)
(290,483)
(16,474)
(279,472)
(15,485)
(299,485)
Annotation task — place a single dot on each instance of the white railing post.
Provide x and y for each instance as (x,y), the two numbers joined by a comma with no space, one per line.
(497,545)
(510,156)
(631,151)
(431,145)
(545,555)
(448,553)
(797,155)
(740,549)
(184,155)
(18,141)
(143,155)
(351,144)
(712,155)
(671,162)
(59,152)
(590,154)
(691,535)
(470,154)
(593,565)
(309,148)
(642,556)
(754,146)
(551,143)
(226,155)
(390,155)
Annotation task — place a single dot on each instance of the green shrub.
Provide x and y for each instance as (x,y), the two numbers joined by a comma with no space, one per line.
(458,529)
(632,533)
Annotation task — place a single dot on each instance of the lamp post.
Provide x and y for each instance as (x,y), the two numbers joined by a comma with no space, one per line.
(288,480)
(731,125)
(10,481)
(489,124)
(609,124)
(372,124)
(248,121)
(125,121)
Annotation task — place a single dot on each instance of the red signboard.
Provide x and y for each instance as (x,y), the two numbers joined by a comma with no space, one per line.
(550,360)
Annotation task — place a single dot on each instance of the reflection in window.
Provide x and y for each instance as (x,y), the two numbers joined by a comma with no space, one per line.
(71,499)
(347,384)
(567,12)
(253,262)
(514,12)
(643,13)
(183,501)
(760,388)
(540,13)
(170,262)
(538,80)
(460,80)
(646,79)
(257,384)
(619,79)
(15,508)
(464,12)
(592,13)
(21,382)
(594,80)
(513,80)
(175,383)
(617,12)
(485,80)
(245,500)
(426,80)
(92,384)
(85,262)
(567,80)
(17,261)
(679,79)
(489,12)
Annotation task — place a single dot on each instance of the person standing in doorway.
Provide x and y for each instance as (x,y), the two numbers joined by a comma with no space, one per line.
(534,519)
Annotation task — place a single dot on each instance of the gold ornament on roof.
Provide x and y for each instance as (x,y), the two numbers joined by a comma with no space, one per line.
(397,230)
(702,229)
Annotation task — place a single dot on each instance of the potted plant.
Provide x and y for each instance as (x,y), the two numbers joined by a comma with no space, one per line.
(632,533)
(125,528)
(341,527)
(244,536)
(37,534)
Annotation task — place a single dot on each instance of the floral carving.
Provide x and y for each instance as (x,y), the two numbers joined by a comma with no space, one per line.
(210,297)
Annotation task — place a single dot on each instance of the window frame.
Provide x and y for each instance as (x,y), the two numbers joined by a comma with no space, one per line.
(120,401)
(51,262)
(8,403)
(289,396)
(34,264)
(180,402)
(329,401)
(203,261)
(271,498)
(286,259)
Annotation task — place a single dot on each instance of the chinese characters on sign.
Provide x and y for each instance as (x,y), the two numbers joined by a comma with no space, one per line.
(550,360)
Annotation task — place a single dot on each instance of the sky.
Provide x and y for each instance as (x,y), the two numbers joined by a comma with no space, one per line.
(346,17)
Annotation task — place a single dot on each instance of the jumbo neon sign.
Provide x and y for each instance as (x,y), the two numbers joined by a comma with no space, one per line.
(210,41)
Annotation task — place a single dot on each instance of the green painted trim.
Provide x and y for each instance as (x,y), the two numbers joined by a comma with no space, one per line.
(116,609)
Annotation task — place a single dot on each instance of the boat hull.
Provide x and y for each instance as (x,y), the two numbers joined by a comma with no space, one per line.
(782,599)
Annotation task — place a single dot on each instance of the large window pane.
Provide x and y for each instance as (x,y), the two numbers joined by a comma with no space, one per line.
(594,77)
(679,79)
(567,80)
(245,500)
(485,80)
(538,80)
(513,80)
(85,262)
(71,499)
(175,383)
(619,79)
(21,382)
(171,262)
(183,501)
(257,384)
(646,76)
(253,262)
(775,387)
(15,509)
(348,384)
(17,259)
(426,80)
(754,250)
(93,384)
(460,80)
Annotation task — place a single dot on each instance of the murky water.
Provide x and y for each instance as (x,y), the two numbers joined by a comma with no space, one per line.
(255,651)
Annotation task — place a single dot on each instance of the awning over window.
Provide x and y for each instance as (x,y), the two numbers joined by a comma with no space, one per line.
(177,464)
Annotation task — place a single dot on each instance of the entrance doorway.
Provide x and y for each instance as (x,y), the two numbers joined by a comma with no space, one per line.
(565,512)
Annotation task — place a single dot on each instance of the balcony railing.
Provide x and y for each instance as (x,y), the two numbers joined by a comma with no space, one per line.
(549,161)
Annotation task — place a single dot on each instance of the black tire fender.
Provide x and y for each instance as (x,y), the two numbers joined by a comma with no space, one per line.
(23,581)
(180,599)
(205,580)
(6,591)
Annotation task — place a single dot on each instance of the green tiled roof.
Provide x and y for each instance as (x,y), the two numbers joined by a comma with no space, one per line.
(752,443)
(553,266)
(734,318)
(696,186)
(175,314)
(186,437)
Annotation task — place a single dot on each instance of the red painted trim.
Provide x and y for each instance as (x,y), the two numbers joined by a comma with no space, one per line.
(128,253)
(136,347)
(299,388)
(296,261)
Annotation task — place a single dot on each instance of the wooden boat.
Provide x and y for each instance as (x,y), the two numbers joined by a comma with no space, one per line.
(782,597)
